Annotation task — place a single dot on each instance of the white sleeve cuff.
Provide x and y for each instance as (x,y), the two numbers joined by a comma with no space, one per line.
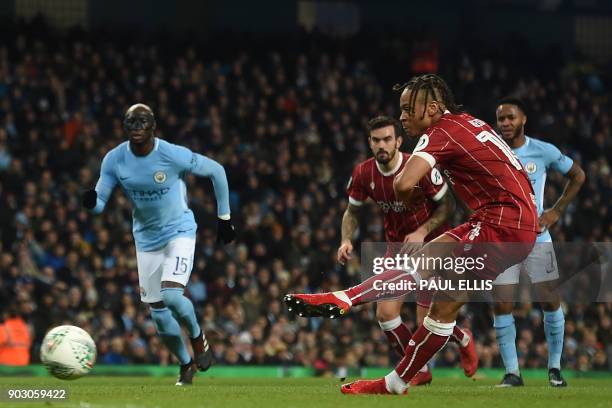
(427,157)
(441,193)
(224,217)
(354,202)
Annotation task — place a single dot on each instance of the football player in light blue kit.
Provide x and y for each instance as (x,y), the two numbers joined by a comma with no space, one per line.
(151,172)
(537,158)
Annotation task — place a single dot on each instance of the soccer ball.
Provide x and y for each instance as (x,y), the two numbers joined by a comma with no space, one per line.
(68,352)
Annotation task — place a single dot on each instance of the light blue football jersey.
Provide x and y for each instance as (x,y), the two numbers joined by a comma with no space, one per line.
(155,185)
(537,158)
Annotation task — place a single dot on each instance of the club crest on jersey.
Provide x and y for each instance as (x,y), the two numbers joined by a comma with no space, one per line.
(372,185)
(531,167)
(159,177)
(422,143)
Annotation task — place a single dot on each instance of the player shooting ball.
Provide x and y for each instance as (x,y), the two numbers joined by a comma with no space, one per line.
(415,224)
(488,177)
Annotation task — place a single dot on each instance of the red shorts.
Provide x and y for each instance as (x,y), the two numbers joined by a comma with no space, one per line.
(500,247)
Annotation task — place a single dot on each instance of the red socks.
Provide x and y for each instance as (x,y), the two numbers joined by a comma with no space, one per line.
(430,337)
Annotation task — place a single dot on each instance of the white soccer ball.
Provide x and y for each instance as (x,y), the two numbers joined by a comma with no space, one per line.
(68,352)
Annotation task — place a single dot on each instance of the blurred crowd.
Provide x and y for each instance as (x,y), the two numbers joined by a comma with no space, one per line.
(287,120)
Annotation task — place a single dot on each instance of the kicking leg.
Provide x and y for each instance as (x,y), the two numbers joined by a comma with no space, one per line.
(336,304)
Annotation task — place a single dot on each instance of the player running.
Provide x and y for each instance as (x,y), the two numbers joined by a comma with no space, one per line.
(488,177)
(537,157)
(151,173)
(424,220)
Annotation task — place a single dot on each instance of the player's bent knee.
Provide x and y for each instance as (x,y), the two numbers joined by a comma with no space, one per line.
(444,311)
(386,311)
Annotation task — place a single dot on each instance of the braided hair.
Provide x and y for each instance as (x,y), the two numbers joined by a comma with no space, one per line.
(434,87)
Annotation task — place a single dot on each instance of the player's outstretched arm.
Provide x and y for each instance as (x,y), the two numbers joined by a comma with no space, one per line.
(576,180)
(95,199)
(350,222)
(205,167)
(406,181)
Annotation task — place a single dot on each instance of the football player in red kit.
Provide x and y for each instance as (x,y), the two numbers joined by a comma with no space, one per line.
(488,177)
(420,222)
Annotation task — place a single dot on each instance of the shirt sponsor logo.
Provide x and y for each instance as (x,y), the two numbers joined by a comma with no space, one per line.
(149,195)
(477,123)
(396,206)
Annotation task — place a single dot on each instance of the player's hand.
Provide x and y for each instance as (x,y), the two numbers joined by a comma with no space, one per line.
(89,199)
(345,252)
(549,218)
(226,232)
(418,235)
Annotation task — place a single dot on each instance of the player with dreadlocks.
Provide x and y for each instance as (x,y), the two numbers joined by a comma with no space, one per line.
(489,178)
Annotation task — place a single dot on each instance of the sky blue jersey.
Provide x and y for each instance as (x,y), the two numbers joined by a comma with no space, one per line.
(155,185)
(537,158)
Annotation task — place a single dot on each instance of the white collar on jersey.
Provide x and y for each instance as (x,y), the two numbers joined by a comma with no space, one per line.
(154,147)
(447,111)
(393,170)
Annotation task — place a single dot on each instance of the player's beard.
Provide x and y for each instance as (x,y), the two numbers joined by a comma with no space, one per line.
(388,157)
(515,134)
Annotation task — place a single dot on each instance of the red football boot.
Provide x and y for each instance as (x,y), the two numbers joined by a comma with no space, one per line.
(367,387)
(318,305)
(469,358)
(421,378)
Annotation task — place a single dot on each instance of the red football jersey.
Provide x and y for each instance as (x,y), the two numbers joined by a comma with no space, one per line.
(482,169)
(368,180)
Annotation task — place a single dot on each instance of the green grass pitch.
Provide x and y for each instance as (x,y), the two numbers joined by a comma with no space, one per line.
(133,392)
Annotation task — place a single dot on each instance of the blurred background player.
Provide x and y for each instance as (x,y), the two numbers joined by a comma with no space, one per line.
(488,178)
(151,172)
(422,221)
(537,158)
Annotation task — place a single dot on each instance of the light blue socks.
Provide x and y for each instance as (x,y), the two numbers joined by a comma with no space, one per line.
(505,331)
(170,333)
(182,309)
(554,329)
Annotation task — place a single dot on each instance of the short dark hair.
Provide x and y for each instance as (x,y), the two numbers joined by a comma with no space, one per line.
(384,121)
(512,100)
